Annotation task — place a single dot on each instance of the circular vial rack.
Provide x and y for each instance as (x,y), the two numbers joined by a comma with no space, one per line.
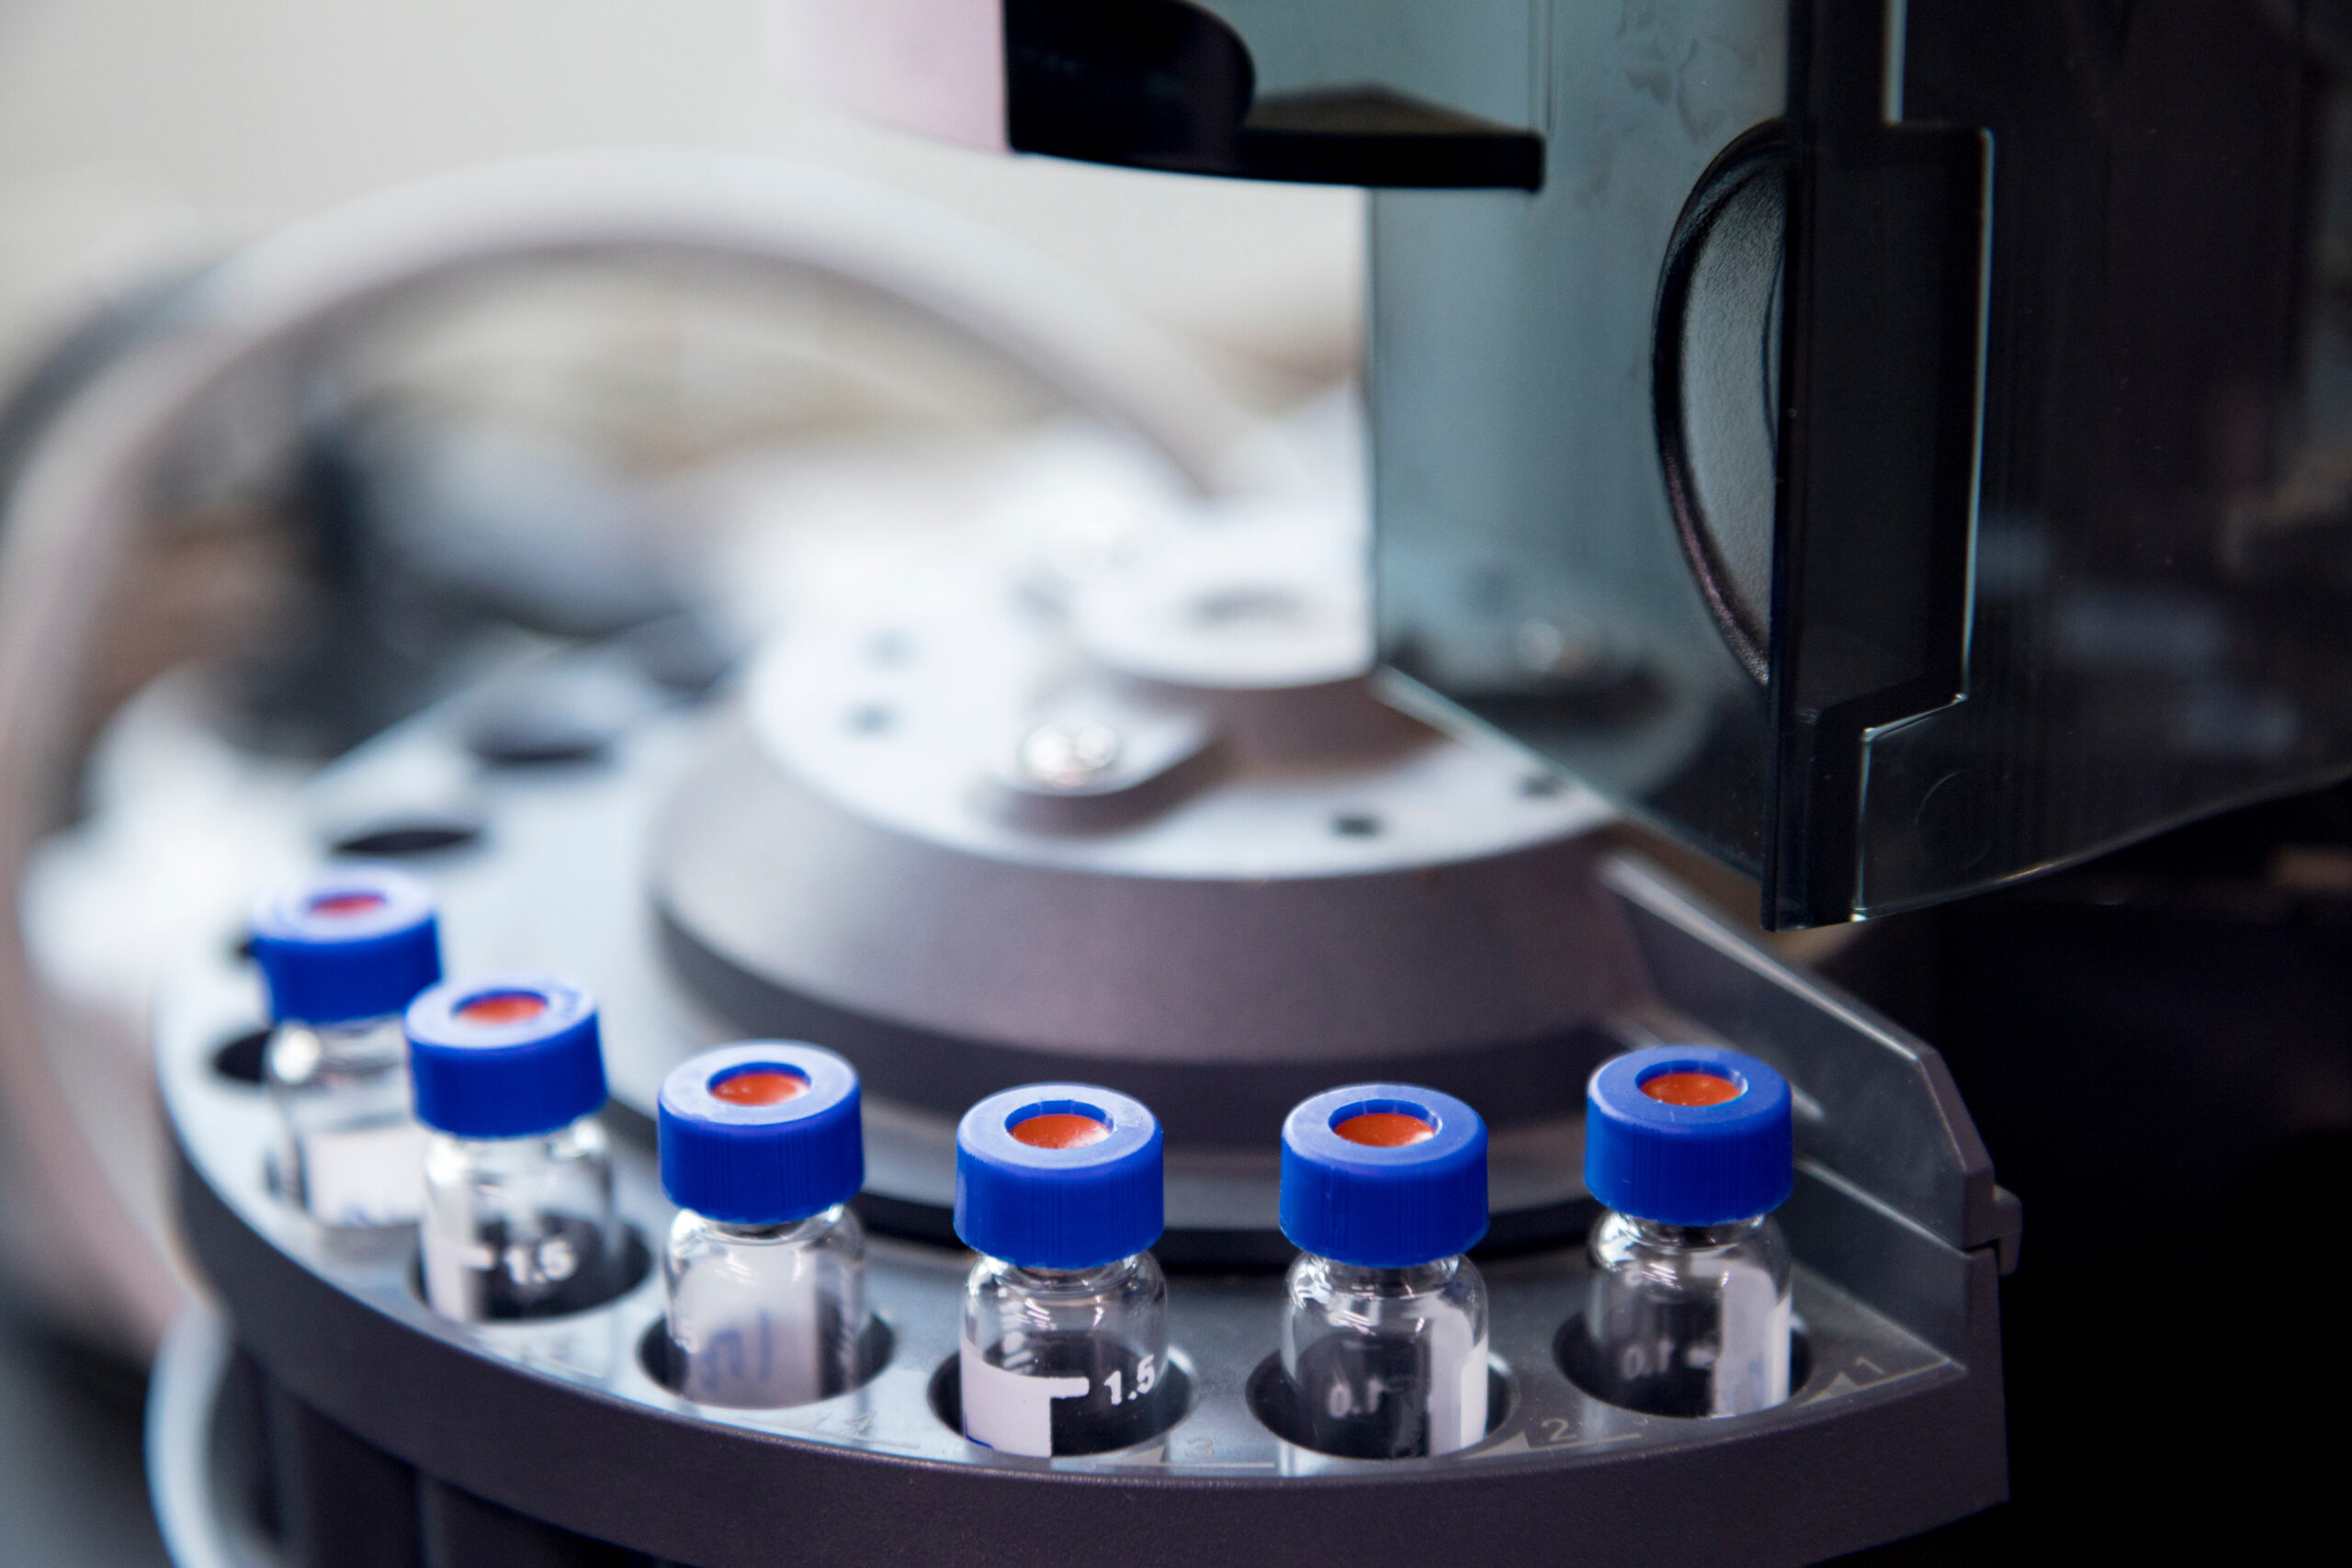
(351,1425)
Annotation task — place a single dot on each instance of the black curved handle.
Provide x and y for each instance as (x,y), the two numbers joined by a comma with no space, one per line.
(1760,153)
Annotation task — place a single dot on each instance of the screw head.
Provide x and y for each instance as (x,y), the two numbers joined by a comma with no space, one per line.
(1570,652)
(1068,753)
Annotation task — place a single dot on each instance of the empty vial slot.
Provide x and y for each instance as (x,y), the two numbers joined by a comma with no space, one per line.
(533,732)
(659,1357)
(401,836)
(240,1059)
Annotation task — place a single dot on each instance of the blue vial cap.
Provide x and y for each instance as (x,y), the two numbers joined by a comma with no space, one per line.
(1059,1176)
(762,1133)
(350,942)
(1384,1176)
(1688,1136)
(505,1056)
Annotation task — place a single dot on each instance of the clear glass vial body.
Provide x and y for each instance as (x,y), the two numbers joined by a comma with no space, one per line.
(765,1316)
(1064,1361)
(349,1151)
(1386,1364)
(1687,1320)
(518,1227)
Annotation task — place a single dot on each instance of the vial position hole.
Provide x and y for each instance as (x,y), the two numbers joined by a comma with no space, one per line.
(1247,608)
(391,839)
(890,649)
(657,1353)
(240,1059)
(539,728)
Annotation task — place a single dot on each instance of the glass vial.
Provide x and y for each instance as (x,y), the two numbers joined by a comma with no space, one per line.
(1065,1337)
(761,1149)
(518,1184)
(341,954)
(1691,1148)
(1383,1334)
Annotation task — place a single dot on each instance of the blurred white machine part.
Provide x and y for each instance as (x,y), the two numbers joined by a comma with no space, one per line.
(129,129)
(181,820)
